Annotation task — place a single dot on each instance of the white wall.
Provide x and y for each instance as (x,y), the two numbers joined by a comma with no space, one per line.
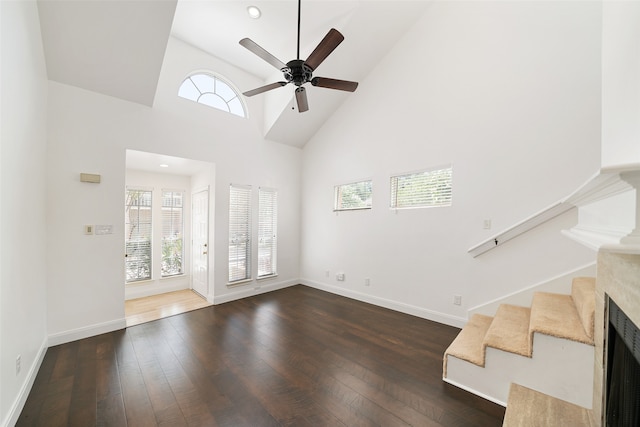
(506,92)
(23,276)
(620,83)
(157,182)
(90,132)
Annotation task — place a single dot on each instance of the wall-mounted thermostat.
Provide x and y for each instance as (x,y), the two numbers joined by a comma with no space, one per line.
(90,177)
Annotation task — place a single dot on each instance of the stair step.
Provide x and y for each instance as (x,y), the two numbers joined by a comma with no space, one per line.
(583,292)
(468,345)
(509,330)
(556,315)
(527,407)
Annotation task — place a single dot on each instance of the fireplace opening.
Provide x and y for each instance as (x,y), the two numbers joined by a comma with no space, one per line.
(622,405)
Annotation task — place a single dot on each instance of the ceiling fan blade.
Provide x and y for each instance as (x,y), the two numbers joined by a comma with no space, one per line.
(264,88)
(334,84)
(326,46)
(255,48)
(301,98)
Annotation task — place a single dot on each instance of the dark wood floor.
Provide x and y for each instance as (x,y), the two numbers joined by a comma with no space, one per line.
(294,357)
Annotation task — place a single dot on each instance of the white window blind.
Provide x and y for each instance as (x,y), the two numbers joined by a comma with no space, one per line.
(239,233)
(429,188)
(356,195)
(267,231)
(172,233)
(137,235)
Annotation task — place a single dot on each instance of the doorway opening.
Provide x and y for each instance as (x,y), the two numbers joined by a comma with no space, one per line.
(168,215)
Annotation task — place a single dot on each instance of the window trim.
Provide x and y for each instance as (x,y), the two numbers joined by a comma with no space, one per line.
(274,227)
(393,201)
(359,208)
(151,225)
(214,76)
(248,249)
(162,228)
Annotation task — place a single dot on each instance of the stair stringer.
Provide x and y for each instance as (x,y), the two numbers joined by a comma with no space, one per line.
(560,284)
(559,367)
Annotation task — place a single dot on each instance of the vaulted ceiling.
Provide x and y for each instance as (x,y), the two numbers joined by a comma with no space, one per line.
(116,47)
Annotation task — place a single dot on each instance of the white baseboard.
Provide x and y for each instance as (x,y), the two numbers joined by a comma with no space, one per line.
(18,404)
(413,310)
(86,332)
(251,289)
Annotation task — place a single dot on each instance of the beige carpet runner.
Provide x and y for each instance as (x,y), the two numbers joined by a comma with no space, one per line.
(513,327)
(529,408)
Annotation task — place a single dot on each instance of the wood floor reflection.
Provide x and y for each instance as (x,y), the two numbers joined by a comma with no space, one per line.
(293,357)
(147,309)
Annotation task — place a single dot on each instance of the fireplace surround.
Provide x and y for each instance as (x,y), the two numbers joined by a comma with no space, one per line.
(622,369)
(618,280)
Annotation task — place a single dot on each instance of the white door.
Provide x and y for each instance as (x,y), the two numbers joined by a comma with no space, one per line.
(200,242)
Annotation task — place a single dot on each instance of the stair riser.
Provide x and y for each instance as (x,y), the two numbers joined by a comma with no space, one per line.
(559,368)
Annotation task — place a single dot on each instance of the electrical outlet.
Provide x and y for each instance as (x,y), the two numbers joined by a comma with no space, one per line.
(18,364)
(487,224)
(457,299)
(367,282)
(340,277)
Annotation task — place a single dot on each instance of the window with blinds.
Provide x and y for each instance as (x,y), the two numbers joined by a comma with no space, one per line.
(239,233)
(172,233)
(429,188)
(356,195)
(267,231)
(137,235)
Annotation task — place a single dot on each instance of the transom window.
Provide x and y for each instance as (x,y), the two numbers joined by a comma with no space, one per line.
(427,188)
(356,195)
(212,91)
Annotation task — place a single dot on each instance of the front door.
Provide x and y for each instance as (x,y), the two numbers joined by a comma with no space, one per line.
(200,242)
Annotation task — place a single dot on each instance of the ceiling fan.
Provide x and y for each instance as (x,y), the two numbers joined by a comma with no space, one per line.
(300,72)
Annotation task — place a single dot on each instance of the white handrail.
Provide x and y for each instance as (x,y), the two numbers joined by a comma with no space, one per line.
(600,186)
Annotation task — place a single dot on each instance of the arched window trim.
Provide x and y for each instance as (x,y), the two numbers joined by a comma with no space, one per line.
(216,78)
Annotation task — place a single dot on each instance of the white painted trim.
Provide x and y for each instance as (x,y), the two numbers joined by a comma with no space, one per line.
(18,403)
(476,392)
(519,228)
(423,313)
(592,238)
(256,289)
(558,284)
(86,331)
(600,186)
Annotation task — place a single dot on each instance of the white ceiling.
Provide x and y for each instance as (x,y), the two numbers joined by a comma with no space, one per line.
(150,162)
(116,47)
(110,47)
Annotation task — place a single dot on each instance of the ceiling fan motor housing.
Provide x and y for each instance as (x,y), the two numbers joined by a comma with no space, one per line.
(297,72)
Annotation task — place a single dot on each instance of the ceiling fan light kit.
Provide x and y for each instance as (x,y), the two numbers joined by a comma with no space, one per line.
(300,72)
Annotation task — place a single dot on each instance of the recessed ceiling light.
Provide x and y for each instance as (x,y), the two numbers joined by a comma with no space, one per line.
(254,12)
(164,165)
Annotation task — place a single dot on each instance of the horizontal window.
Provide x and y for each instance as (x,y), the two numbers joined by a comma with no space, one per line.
(428,188)
(356,195)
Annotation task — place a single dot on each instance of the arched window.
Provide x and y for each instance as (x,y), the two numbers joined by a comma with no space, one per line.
(212,91)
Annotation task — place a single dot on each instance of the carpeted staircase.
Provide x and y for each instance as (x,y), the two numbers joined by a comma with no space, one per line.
(547,347)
